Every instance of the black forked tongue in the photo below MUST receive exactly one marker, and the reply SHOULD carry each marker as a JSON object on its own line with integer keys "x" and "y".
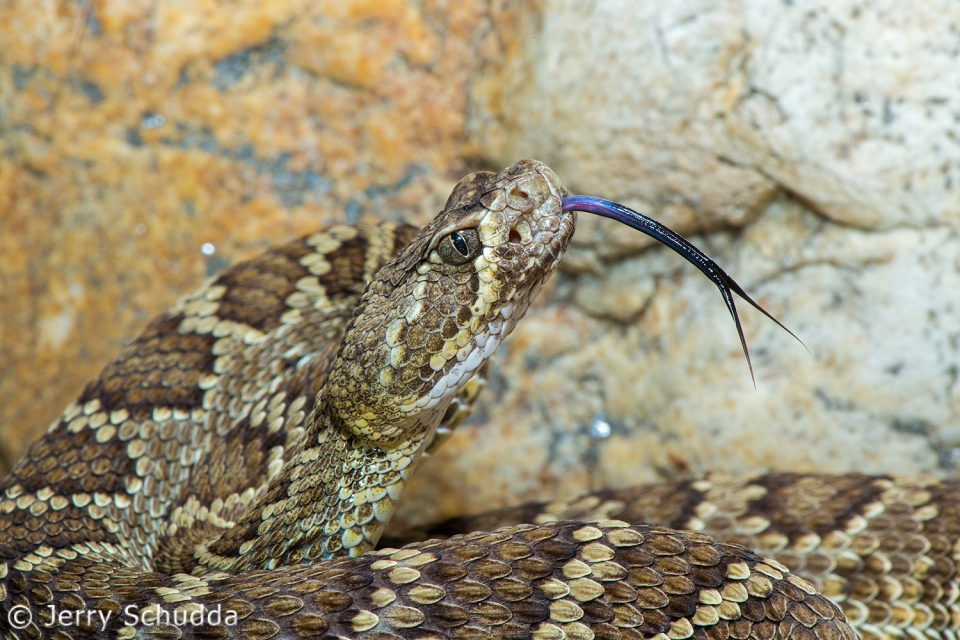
{"x": 678, "y": 243}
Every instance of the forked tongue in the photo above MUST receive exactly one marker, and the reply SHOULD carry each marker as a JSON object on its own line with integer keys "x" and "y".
{"x": 727, "y": 285}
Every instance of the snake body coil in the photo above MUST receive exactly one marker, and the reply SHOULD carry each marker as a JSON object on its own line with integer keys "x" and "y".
{"x": 224, "y": 476}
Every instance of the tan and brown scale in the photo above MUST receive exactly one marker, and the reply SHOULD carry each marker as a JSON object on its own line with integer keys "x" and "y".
{"x": 886, "y": 551}
{"x": 244, "y": 452}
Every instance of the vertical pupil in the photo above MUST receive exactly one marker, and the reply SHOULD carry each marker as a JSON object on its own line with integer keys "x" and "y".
{"x": 459, "y": 243}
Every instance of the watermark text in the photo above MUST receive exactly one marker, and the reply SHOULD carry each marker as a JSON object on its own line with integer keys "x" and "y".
{"x": 191, "y": 615}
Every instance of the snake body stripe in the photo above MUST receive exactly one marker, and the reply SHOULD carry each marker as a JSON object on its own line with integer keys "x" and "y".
{"x": 565, "y": 580}
{"x": 239, "y": 457}
{"x": 885, "y": 550}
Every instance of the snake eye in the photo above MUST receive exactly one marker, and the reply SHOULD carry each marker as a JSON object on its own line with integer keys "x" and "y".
{"x": 459, "y": 247}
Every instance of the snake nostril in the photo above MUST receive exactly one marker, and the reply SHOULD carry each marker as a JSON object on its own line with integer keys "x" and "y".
{"x": 520, "y": 199}
{"x": 515, "y": 236}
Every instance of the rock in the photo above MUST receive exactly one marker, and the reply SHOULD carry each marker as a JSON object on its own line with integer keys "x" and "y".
{"x": 620, "y": 294}
{"x": 700, "y": 110}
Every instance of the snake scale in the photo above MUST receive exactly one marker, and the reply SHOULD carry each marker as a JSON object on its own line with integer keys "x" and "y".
{"x": 231, "y": 472}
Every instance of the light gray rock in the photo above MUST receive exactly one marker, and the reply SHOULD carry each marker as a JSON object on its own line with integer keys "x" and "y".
{"x": 702, "y": 108}
{"x": 620, "y": 294}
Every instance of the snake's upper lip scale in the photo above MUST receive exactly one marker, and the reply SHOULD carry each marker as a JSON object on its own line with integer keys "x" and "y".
{"x": 669, "y": 237}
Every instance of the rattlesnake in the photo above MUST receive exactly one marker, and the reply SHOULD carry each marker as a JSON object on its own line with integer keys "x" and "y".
{"x": 229, "y": 474}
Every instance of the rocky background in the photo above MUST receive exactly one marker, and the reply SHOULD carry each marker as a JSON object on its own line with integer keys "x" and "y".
{"x": 812, "y": 148}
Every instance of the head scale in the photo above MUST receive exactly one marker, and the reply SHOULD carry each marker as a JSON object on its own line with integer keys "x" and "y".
{"x": 440, "y": 308}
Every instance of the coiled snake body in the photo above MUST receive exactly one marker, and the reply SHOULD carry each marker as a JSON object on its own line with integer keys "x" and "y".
{"x": 224, "y": 476}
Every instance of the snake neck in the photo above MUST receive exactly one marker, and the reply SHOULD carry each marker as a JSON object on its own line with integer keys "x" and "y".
{"x": 426, "y": 323}
{"x": 333, "y": 498}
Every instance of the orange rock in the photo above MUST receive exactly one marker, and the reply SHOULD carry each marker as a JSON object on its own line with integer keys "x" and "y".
{"x": 135, "y": 131}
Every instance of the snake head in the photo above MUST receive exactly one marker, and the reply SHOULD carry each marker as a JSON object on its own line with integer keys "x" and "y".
{"x": 436, "y": 312}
